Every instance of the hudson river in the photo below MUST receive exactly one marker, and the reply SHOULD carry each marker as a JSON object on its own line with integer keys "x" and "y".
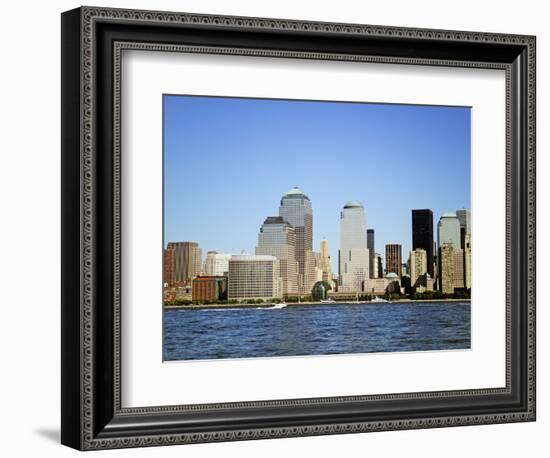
{"x": 315, "y": 330}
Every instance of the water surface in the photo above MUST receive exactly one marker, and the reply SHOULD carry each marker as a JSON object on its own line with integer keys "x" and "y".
{"x": 315, "y": 330}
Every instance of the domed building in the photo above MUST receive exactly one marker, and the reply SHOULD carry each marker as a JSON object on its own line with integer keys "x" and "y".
{"x": 390, "y": 284}
{"x": 320, "y": 290}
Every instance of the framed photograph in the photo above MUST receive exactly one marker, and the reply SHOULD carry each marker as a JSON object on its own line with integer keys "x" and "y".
{"x": 276, "y": 228}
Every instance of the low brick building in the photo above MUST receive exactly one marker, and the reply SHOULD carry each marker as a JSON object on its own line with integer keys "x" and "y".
{"x": 209, "y": 288}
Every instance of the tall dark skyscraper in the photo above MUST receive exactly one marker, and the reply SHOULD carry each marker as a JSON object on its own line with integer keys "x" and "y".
{"x": 423, "y": 235}
{"x": 370, "y": 246}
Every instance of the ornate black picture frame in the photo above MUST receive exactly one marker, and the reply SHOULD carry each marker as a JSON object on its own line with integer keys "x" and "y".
{"x": 92, "y": 415}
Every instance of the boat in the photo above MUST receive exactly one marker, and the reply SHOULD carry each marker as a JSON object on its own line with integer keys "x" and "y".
{"x": 378, "y": 299}
{"x": 280, "y": 305}
{"x": 327, "y": 301}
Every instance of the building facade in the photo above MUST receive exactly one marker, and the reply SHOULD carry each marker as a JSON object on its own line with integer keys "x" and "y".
{"x": 448, "y": 230}
{"x": 254, "y": 277}
{"x": 295, "y": 208}
{"x": 168, "y": 278}
{"x": 325, "y": 261}
{"x": 353, "y": 262}
{"x": 393, "y": 259}
{"x": 378, "y": 266}
{"x": 187, "y": 261}
{"x": 277, "y": 238}
{"x": 464, "y": 218}
{"x": 370, "y": 246}
{"x": 423, "y": 235}
{"x": 209, "y": 288}
{"x": 418, "y": 261}
{"x": 468, "y": 262}
{"x": 451, "y": 269}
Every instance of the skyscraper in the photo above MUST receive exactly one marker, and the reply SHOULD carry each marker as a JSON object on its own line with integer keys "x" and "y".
{"x": 295, "y": 208}
{"x": 370, "y": 246}
{"x": 325, "y": 261}
{"x": 393, "y": 259}
{"x": 451, "y": 268}
{"x": 465, "y": 226}
{"x": 423, "y": 235}
{"x": 448, "y": 230}
{"x": 277, "y": 238}
{"x": 353, "y": 260}
{"x": 187, "y": 260}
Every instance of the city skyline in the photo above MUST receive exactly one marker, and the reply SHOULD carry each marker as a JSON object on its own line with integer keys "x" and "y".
{"x": 329, "y": 161}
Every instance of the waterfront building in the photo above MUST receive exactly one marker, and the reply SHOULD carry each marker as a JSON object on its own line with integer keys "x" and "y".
{"x": 295, "y": 208}
{"x": 418, "y": 260}
{"x": 464, "y": 217}
{"x": 254, "y": 277}
{"x": 448, "y": 230}
{"x": 353, "y": 259}
{"x": 209, "y": 288}
{"x": 320, "y": 290}
{"x": 325, "y": 261}
{"x": 423, "y": 236}
{"x": 388, "y": 284}
{"x": 186, "y": 261}
{"x": 393, "y": 259}
{"x": 277, "y": 238}
{"x": 370, "y": 246}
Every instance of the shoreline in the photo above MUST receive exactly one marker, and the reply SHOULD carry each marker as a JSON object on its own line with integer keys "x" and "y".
{"x": 296, "y": 304}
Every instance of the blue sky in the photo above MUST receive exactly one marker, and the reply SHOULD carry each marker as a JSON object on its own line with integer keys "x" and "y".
{"x": 228, "y": 161}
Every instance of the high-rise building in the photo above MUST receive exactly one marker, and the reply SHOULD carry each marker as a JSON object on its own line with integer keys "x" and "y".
{"x": 423, "y": 235}
{"x": 451, "y": 268}
{"x": 418, "y": 264}
{"x": 464, "y": 218}
{"x": 187, "y": 261}
{"x": 256, "y": 277}
{"x": 296, "y": 209}
{"x": 393, "y": 259}
{"x": 370, "y": 246}
{"x": 277, "y": 238}
{"x": 353, "y": 258}
{"x": 448, "y": 230}
{"x": 325, "y": 262}
{"x": 446, "y": 269}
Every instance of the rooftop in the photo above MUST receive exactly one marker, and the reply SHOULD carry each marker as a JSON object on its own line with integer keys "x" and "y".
{"x": 353, "y": 204}
{"x": 295, "y": 193}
